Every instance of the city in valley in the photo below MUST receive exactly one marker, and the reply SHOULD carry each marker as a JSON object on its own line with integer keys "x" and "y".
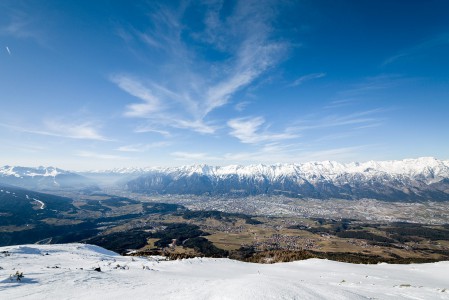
{"x": 259, "y": 228}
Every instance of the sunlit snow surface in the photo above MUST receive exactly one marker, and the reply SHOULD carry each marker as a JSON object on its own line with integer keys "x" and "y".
{"x": 428, "y": 169}
{"x": 67, "y": 273}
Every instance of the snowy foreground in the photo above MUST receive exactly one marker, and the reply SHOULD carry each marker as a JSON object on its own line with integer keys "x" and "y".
{"x": 67, "y": 272}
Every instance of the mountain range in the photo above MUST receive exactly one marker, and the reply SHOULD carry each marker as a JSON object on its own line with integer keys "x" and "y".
{"x": 44, "y": 178}
{"x": 405, "y": 180}
{"x": 418, "y": 179}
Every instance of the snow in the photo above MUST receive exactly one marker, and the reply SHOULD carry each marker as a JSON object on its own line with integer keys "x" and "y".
{"x": 432, "y": 169}
{"x": 8, "y": 171}
{"x": 30, "y": 172}
{"x": 66, "y": 272}
{"x": 429, "y": 167}
{"x": 42, "y": 204}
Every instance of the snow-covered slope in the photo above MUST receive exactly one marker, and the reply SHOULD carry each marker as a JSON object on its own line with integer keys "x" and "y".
{"x": 41, "y": 178}
{"x": 429, "y": 167}
{"x": 66, "y": 272}
{"x": 419, "y": 179}
{"x": 410, "y": 179}
{"x": 31, "y": 172}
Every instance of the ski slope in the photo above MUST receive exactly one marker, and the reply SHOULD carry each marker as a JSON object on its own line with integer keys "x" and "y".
{"x": 66, "y": 272}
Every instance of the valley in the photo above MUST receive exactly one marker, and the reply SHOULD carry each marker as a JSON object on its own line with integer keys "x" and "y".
{"x": 183, "y": 226}
{"x": 255, "y": 213}
{"x": 370, "y": 210}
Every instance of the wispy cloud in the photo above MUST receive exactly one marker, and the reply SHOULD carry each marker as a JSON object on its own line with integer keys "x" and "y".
{"x": 297, "y": 154}
{"x": 250, "y": 131}
{"x": 197, "y": 125}
{"x": 367, "y": 89}
{"x": 341, "y": 103}
{"x": 343, "y": 154}
{"x": 355, "y": 119}
{"x": 89, "y": 154}
{"x": 153, "y": 129}
{"x": 423, "y": 47}
{"x": 305, "y": 78}
{"x": 194, "y": 156}
{"x": 277, "y": 153}
{"x": 142, "y": 147}
{"x": 135, "y": 88}
{"x": 373, "y": 84}
{"x": 253, "y": 58}
{"x": 269, "y": 153}
{"x": 241, "y": 106}
{"x": 22, "y": 146}
{"x": 23, "y": 25}
{"x": 165, "y": 34}
{"x": 7, "y": 50}
{"x": 199, "y": 86}
{"x": 83, "y": 130}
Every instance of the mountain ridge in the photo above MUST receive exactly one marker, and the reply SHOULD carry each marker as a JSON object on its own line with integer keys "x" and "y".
{"x": 43, "y": 178}
{"x": 419, "y": 179}
{"x": 390, "y": 166}
{"x": 406, "y": 180}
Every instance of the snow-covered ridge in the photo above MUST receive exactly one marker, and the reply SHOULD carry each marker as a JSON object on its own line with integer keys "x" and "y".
{"x": 404, "y": 180}
{"x": 42, "y": 178}
{"x": 423, "y": 178}
{"x": 429, "y": 167}
{"x": 67, "y": 272}
{"x": 31, "y": 172}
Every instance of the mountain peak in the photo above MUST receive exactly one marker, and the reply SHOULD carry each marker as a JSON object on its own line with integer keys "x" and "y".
{"x": 41, "y": 177}
{"x": 411, "y": 179}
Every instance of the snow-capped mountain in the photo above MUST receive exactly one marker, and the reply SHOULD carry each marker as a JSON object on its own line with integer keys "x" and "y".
{"x": 42, "y": 178}
{"x": 410, "y": 179}
{"x": 31, "y": 172}
{"x": 424, "y": 178}
{"x": 80, "y": 271}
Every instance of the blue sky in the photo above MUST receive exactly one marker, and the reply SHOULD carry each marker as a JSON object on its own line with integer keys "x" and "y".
{"x": 103, "y": 84}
